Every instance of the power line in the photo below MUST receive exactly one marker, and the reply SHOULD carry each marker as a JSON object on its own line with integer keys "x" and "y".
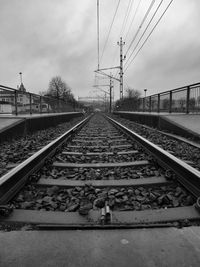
{"x": 110, "y": 29}
{"x": 144, "y": 31}
{"x": 127, "y": 13}
{"x": 126, "y": 16}
{"x": 128, "y": 10}
{"x": 149, "y": 34}
{"x": 132, "y": 19}
{"x": 134, "y": 15}
{"x": 139, "y": 28}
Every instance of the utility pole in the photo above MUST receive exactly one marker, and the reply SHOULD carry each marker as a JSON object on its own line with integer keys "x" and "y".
{"x": 145, "y": 92}
{"x": 98, "y": 31}
{"x": 20, "y": 77}
{"x": 121, "y": 44}
{"x": 109, "y": 93}
{"x": 111, "y": 86}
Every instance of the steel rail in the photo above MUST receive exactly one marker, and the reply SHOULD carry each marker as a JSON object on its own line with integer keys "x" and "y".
{"x": 13, "y": 181}
{"x": 186, "y": 175}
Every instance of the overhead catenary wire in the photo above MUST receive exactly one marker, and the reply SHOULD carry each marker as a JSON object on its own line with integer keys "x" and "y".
{"x": 127, "y": 13}
{"x": 150, "y": 33}
{"x": 140, "y": 26}
{"x": 131, "y": 23}
{"x": 134, "y": 15}
{"x": 110, "y": 30}
{"x": 128, "y": 10}
{"x": 144, "y": 32}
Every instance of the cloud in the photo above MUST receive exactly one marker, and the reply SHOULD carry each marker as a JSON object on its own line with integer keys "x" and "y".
{"x": 170, "y": 58}
{"x": 48, "y": 38}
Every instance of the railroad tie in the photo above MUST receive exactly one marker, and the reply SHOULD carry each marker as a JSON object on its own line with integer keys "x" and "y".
{"x": 101, "y": 165}
{"x": 97, "y": 141}
{"x": 72, "y": 153}
{"x": 112, "y": 147}
{"x": 151, "y": 181}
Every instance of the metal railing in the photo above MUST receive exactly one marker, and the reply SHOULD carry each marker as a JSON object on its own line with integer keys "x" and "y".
{"x": 180, "y": 100}
{"x": 13, "y": 101}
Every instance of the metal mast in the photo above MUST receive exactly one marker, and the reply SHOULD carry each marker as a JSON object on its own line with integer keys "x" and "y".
{"x": 121, "y": 44}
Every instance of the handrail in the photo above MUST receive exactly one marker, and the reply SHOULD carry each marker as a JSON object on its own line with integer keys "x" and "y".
{"x": 176, "y": 89}
{"x": 185, "y": 99}
{"x": 9, "y": 95}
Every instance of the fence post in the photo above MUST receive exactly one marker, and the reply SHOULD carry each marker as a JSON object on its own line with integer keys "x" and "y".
{"x": 40, "y": 104}
{"x": 170, "y": 101}
{"x": 149, "y": 103}
{"x": 30, "y": 99}
{"x": 16, "y": 112}
{"x": 188, "y": 100}
{"x": 58, "y": 105}
{"x": 48, "y": 108}
{"x": 158, "y": 108}
{"x": 144, "y": 104}
{"x": 138, "y": 105}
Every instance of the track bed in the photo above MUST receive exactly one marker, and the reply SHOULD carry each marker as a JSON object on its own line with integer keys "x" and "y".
{"x": 100, "y": 175}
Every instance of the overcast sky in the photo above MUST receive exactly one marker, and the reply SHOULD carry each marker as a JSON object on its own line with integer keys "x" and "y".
{"x": 46, "y": 38}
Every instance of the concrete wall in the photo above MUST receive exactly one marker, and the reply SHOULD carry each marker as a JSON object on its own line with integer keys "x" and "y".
{"x": 39, "y": 123}
{"x": 160, "y": 122}
{"x": 13, "y": 130}
{"x": 31, "y": 124}
{"x": 147, "y": 119}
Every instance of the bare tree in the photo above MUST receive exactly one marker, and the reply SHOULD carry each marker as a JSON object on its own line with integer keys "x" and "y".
{"x": 132, "y": 93}
{"x": 130, "y": 101}
{"x": 59, "y": 88}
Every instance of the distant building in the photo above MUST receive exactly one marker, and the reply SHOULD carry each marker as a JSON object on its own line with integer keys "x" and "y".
{"x": 23, "y": 101}
{"x": 5, "y": 108}
{"x": 9, "y": 96}
{"x": 22, "y": 88}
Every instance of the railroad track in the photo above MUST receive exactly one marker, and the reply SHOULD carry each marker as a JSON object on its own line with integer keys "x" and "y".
{"x": 180, "y": 147}
{"x": 100, "y": 174}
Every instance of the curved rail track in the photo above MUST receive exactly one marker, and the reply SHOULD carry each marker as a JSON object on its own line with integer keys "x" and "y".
{"x": 100, "y": 174}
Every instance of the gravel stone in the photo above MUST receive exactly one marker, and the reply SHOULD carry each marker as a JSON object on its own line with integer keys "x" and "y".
{"x": 99, "y": 202}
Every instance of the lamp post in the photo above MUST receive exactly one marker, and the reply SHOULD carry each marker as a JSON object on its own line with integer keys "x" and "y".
{"x": 20, "y": 77}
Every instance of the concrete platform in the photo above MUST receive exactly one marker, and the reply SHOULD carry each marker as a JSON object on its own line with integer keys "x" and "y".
{"x": 119, "y": 248}
{"x": 12, "y": 125}
{"x": 33, "y": 115}
{"x": 7, "y": 122}
{"x": 183, "y": 124}
{"x": 188, "y": 121}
